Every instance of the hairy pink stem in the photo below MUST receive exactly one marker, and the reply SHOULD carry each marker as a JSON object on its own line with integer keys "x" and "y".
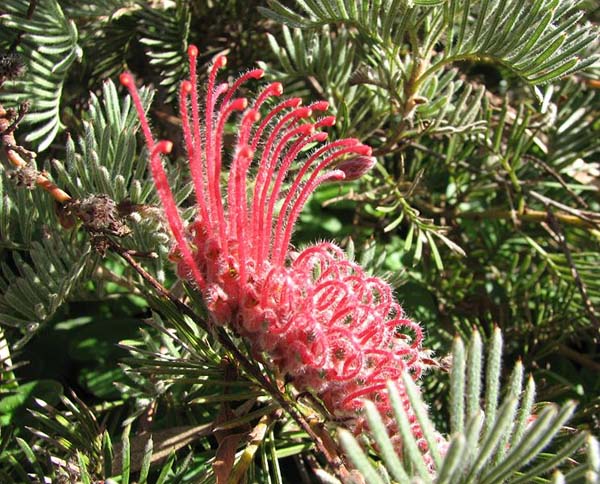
{"x": 291, "y": 103}
{"x": 282, "y": 172}
{"x": 193, "y": 150}
{"x": 266, "y": 165}
{"x": 197, "y": 168}
{"x": 224, "y": 113}
{"x": 265, "y": 224}
{"x": 170, "y": 206}
{"x": 209, "y": 155}
{"x": 253, "y": 74}
{"x": 245, "y": 157}
{"x": 310, "y": 187}
{"x": 281, "y": 239}
{"x": 293, "y": 152}
{"x": 237, "y": 191}
{"x": 273, "y": 89}
{"x": 128, "y": 81}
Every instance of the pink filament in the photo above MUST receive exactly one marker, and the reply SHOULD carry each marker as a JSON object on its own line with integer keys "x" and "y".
{"x": 164, "y": 191}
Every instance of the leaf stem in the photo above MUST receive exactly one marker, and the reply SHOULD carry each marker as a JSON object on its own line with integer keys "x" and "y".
{"x": 452, "y": 59}
{"x": 16, "y": 154}
{"x": 587, "y": 303}
{"x": 529, "y": 215}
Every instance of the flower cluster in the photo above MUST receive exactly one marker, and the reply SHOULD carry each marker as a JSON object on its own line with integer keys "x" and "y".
{"x": 329, "y": 327}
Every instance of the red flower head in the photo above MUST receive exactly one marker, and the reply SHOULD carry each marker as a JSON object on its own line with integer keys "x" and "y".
{"x": 326, "y": 324}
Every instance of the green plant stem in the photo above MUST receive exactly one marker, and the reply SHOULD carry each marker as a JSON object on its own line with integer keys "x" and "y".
{"x": 579, "y": 358}
{"x": 589, "y": 307}
{"x": 409, "y": 102}
{"x": 528, "y": 215}
{"x": 452, "y": 59}
{"x": 257, "y": 437}
{"x": 107, "y": 275}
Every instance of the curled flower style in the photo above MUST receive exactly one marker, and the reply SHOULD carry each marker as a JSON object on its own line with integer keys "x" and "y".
{"x": 329, "y": 327}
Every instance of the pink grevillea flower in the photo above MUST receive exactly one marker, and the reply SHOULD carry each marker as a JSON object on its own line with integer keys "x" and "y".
{"x": 329, "y": 327}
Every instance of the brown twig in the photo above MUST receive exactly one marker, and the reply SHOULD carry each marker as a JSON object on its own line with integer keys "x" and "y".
{"x": 22, "y": 159}
{"x": 332, "y": 459}
{"x": 557, "y": 177}
{"x": 23, "y": 108}
{"x": 586, "y": 215}
{"x": 577, "y": 357}
{"x": 29, "y": 16}
{"x": 587, "y": 303}
{"x": 528, "y": 215}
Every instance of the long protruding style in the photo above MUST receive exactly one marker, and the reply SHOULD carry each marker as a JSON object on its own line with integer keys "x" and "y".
{"x": 268, "y": 151}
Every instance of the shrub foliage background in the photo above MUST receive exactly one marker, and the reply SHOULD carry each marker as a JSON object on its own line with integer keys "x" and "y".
{"x": 483, "y": 209}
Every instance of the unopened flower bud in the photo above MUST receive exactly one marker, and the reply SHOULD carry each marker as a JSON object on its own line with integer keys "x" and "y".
{"x": 356, "y": 167}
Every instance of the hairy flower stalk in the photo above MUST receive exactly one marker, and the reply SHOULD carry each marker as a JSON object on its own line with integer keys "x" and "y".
{"x": 323, "y": 322}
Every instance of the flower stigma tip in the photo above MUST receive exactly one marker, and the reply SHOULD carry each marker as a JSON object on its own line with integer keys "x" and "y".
{"x": 306, "y": 129}
{"x": 192, "y": 51}
{"x": 164, "y": 146}
{"x": 186, "y": 87}
{"x": 277, "y": 88}
{"x": 246, "y": 152}
{"x": 239, "y": 104}
{"x": 126, "y": 79}
{"x": 320, "y": 106}
{"x": 327, "y": 121}
{"x": 221, "y": 61}
{"x": 304, "y": 112}
{"x": 253, "y": 115}
{"x": 337, "y": 175}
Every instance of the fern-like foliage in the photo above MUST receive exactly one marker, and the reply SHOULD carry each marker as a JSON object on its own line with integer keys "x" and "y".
{"x": 573, "y": 107}
{"x": 110, "y": 39}
{"x": 101, "y": 8}
{"x": 317, "y": 56}
{"x": 165, "y": 33}
{"x": 106, "y": 162}
{"x": 492, "y": 440}
{"x": 33, "y": 292}
{"x": 372, "y": 95}
{"x": 91, "y": 448}
{"x": 21, "y": 213}
{"x": 585, "y": 263}
{"x": 46, "y": 266}
{"x": 192, "y": 386}
{"x": 49, "y": 48}
{"x": 386, "y": 64}
{"x": 538, "y": 40}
